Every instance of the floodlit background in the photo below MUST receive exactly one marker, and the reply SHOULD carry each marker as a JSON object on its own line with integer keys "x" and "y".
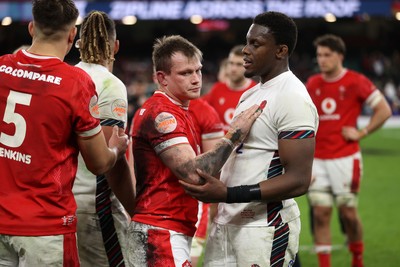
{"x": 370, "y": 28}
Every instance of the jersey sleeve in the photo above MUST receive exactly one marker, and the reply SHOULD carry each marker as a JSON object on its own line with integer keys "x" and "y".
{"x": 209, "y": 122}
{"x": 85, "y": 107}
{"x": 296, "y": 113}
{"x": 113, "y": 103}
{"x": 365, "y": 87}
{"x": 165, "y": 128}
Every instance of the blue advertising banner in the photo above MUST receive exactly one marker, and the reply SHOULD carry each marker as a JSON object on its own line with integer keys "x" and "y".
{"x": 218, "y": 9}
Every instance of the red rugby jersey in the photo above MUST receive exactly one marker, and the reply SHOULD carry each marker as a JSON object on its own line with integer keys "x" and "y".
{"x": 339, "y": 103}
{"x": 161, "y": 201}
{"x": 44, "y": 105}
{"x": 225, "y": 100}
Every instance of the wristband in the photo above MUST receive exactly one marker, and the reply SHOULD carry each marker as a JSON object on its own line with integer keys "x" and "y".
{"x": 243, "y": 193}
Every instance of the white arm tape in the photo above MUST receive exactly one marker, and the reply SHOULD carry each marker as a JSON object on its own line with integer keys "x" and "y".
{"x": 374, "y": 98}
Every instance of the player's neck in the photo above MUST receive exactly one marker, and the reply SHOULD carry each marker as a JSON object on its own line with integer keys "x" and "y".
{"x": 240, "y": 85}
{"x": 49, "y": 49}
{"x": 174, "y": 98}
{"x": 332, "y": 75}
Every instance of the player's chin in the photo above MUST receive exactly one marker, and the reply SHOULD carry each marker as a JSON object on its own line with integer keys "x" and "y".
{"x": 248, "y": 73}
{"x": 194, "y": 93}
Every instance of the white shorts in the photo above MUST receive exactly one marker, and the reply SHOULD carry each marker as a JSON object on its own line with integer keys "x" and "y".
{"x": 151, "y": 246}
{"x": 232, "y": 246}
{"x": 340, "y": 178}
{"x": 46, "y": 251}
{"x": 90, "y": 239}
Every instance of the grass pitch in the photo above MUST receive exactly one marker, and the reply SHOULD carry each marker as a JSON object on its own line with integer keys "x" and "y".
{"x": 378, "y": 207}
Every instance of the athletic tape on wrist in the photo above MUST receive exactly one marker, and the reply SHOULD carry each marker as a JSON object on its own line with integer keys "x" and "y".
{"x": 243, "y": 193}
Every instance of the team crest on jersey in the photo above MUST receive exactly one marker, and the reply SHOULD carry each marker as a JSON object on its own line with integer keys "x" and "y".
{"x": 165, "y": 122}
{"x": 68, "y": 220}
{"x": 342, "y": 92}
{"x": 119, "y": 108}
{"x": 94, "y": 107}
{"x": 186, "y": 264}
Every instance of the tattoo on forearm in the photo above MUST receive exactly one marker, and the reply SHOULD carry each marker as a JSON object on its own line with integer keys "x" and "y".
{"x": 234, "y": 136}
{"x": 212, "y": 161}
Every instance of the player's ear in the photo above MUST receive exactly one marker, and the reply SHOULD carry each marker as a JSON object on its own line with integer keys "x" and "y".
{"x": 282, "y": 51}
{"x": 160, "y": 75}
{"x": 31, "y": 28}
{"x": 72, "y": 34}
{"x": 116, "y": 46}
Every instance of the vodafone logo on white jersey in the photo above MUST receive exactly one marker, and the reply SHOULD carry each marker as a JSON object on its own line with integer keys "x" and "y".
{"x": 328, "y": 105}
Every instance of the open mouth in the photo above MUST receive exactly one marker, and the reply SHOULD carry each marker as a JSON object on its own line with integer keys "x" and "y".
{"x": 246, "y": 63}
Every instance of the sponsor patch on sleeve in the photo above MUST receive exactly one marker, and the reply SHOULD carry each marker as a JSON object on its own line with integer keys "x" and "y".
{"x": 119, "y": 108}
{"x": 94, "y": 107}
{"x": 165, "y": 122}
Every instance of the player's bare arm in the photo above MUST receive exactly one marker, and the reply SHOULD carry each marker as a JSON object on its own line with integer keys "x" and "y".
{"x": 121, "y": 178}
{"x": 182, "y": 160}
{"x": 381, "y": 113}
{"x": 100, "y": 158}
{"x": 296, "y": 157}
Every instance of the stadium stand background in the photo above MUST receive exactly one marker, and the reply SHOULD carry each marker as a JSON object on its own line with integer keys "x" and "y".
{"x": 372, "y": 40}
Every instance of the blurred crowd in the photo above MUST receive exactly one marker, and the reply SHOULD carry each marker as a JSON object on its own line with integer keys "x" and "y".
{"x": 383, "y": 70}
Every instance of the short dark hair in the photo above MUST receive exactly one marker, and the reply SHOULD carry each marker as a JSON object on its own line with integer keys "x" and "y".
{"x": 282, "y": 27}
{"x": 334, "y": 42}
{"x": 237, "y": 50}
{"x": 164, "y": 48}
{"x": 52, "y": 16}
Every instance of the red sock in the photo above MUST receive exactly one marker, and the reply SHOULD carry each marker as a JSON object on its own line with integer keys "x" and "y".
{"x": 357, "y": 248}
{"x": 324, "y": 259}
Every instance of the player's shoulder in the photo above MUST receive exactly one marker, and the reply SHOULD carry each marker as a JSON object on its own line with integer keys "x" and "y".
{"x": 198, "y": 103}
{"x": 316, "y": 77}
{"x": 352, "y": 74}
{"x": 6, "y": 57}
{"x": 218, "y": 86}
{"x": 159, "y": 103}
{"x": 117, "y": 82}
{"x": 75, "y": 74}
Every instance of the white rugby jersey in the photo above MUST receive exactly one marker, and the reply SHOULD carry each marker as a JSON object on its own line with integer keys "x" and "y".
{"x": 113, "y": 104}
{"x": 289, "y": 108}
